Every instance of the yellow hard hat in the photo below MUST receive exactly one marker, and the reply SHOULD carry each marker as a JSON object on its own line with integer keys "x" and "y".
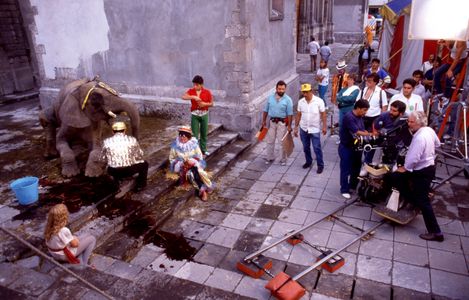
{"x": 306, "y": 87}
{"x": 118, "y": 126}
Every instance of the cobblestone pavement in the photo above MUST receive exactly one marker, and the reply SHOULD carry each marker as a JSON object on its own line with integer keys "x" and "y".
{"x": 256, "y": 204}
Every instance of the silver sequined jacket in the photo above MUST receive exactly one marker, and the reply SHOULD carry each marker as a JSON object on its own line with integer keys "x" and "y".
{"x": 121, "y": 150}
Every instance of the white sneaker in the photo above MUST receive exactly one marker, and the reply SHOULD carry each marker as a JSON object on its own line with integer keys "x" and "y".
{"x": 346, "y": 195}
{"x": 268, "y": 161}
{"x": 283, "y": 162}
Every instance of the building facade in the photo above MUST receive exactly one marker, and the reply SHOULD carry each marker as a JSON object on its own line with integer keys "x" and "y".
{"x": 315, "y": 18}
{"x": 350, "y": 17}
{"x": 150, "y": 51}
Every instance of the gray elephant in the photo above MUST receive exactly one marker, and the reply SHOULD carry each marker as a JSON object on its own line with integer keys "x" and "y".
{"x": 77, "y": 115}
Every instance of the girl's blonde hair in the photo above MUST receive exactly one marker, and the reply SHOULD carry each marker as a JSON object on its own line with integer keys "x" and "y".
{"x": 56, "y": 219}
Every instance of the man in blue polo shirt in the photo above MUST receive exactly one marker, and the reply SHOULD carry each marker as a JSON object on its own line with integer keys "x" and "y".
{"x": 351, "y": 160}
{"x": 279, "y": 109}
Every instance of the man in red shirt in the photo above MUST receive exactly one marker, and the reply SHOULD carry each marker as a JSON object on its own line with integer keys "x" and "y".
{"x": 201, "y": 99}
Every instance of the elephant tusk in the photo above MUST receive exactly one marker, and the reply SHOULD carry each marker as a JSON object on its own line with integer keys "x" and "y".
{"x": 113, "y": 115}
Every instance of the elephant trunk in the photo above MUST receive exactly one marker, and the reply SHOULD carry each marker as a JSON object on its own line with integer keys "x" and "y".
{"x": 118, "y": 106}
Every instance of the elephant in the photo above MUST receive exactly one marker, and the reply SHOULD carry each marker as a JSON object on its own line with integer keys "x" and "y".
{"x": 77, "y": 115}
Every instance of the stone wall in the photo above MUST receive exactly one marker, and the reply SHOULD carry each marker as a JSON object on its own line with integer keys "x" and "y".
{"x": 150, "y": 50}
{"x": 349, "y": 20}
{"x": 15, "y": 70}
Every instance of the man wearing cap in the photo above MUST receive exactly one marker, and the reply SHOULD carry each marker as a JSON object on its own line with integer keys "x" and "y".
{"x": 124, "y": 156}
{"x": 201, "y": 99}
{"x": 384, "y": 78}
{"x": 311, "y": 111}
{"x": 279, "y": 109}
{"x": 339, "y": 81}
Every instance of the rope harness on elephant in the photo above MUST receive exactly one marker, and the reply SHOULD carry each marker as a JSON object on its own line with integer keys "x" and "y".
{"x": 101, "y": 84}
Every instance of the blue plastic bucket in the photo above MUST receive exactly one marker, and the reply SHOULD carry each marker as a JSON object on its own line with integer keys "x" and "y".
{"x": 26, "y": 189}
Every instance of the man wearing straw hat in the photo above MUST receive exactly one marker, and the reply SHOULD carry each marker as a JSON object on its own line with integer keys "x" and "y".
{"x": 339, "y": 81}
{"x": 124, "y": 156}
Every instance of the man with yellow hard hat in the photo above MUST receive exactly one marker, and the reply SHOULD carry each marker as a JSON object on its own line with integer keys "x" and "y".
{"x": 311, "y": 113}
{"x": 124, "y": 156}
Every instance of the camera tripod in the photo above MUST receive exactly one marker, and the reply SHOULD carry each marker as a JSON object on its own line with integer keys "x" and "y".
{"x": 460, "y": 131}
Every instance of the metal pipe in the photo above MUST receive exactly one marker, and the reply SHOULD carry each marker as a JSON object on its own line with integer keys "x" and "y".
{"x": 26, "y": 243}
{"x": 251, "y": 256}
{"x": 334, "y": 253}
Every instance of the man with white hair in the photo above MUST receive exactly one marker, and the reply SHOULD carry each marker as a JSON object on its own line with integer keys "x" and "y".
{"x": 414, "y": 178}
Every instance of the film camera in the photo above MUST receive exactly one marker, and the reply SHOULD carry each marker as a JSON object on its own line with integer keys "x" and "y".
{"x": 393, "y": 142}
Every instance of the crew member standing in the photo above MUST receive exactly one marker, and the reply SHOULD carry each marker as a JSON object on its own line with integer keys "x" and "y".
{"x": 311, "y": 111}
{"x": 351, "y": 160}
{"x": 279, "y": 109}
{"x": 413, "y": 180}
{"x": 412, "y": 101}
{"x": 201, "y": 99}
{"x": 313, "y": 53}
{"x": 124, "y": 156}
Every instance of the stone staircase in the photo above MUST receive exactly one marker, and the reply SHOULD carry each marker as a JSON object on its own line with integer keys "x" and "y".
{"x": 109, "y": 215}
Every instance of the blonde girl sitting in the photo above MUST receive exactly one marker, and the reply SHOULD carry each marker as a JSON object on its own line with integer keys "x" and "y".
{"x": 61, "y": 243}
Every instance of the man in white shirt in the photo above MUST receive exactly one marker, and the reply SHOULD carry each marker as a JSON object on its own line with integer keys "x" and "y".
{"x": 414, "y": 178}
{"x": 412, "y": 101}
{"x": 313, "y": 47}
{"x": 311, "y": 112}
{"x": 428, "y": 65}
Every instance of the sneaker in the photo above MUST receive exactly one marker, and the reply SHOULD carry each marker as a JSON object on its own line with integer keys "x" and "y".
{"x": 283, "y": 162}
{"x": 346, "y": 195}
{"x": 268, "y": 161}
{"x": 320, "y": 169}
{"x": 206, "y": 153}
{"x": 437, "y": 237}
{"x": 306, "y": 165}
{"x": 337, "y": 142}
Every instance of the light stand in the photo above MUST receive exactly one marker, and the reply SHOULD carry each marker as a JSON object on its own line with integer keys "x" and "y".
{"x": 463, "y": 158}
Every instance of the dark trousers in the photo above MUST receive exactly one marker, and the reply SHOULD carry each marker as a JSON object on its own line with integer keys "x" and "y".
{"x": 441, "y": 73}
{"x": 124, "y": 172}
{"x": 414, "y": 187}
{"x": 350, "y": 164}
{"x": 315, "y": 139}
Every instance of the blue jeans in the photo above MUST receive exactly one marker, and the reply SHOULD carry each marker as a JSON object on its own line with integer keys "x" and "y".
{"x": 440, "y": 72}
{"x": 350, "y": 164}
{"x": 315, "y": 140}
{"x": 322, "y": 89}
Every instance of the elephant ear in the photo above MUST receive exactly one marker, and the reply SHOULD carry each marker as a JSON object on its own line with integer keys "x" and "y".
{"x": 71, "y": 114}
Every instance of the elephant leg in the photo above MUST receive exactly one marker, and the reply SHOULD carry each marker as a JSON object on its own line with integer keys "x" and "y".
{"x": 94, "y": 165}
{"x": 49, "y": 130}
{"x": 69, "y": 164}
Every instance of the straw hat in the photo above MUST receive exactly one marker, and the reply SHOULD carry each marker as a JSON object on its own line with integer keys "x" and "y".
{"x": 185, "y": 129}
{"x": 341, "y": 65}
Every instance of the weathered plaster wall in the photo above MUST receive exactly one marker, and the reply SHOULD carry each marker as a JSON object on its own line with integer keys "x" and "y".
{"x": 349, "y": 18}
{"x": 150, "y": 50}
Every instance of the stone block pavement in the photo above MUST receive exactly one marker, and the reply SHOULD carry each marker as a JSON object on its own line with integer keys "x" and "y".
{"x": 395, "y": 261}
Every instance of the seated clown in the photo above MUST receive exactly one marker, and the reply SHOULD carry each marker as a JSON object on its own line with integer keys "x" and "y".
{"x": 186, "y": 159}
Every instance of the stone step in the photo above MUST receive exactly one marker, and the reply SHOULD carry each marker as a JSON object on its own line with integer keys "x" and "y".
{"x": 157, "y": 159}
{"x": 123, "y": 246}
{"x": 32, "y": 228}
{"x": 226, "y": 146}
